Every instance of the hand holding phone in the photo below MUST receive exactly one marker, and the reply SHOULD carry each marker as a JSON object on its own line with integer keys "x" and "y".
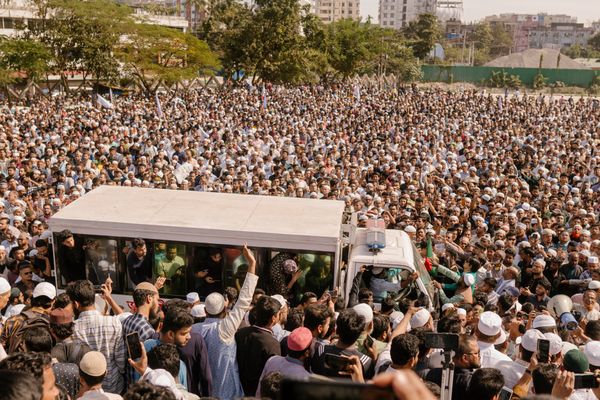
{"x": 543, "y": 350}
{"x": 134, "y": 347}
{"x": 586, "y": 381}
{"x": 337, "y": 362}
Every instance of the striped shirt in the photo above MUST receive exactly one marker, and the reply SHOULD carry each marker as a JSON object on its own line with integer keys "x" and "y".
{"x": 136, "y": 323}
{"x": 104, "y": 334}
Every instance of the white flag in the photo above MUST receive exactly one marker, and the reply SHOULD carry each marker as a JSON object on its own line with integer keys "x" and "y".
{"x": 103, "y": 102}
{"x": 159, "y": 111}
{"x": 357, "y": 93}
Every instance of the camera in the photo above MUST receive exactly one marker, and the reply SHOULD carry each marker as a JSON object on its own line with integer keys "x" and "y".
{"x": 445, "y": 341}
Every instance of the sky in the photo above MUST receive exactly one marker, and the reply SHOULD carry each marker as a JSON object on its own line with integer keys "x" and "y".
{"x": 586, "y": 11}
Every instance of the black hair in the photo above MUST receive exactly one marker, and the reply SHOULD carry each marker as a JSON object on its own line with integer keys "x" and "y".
{"x": 480, "y": 298}
{"x": 257, "y": 292}
{"x": 527, "y": 308}
{"x": 61, "y": 301}
{"x": 307, "y": 296}
{"x": 449, "y": 324}
{"x": 491, "y": 282}
{"x": 404, "y": 348}
{"x": 265, "y": 309}
{"x": 140, "y": 296}
{"x": 421, "y": 333}
{"x": 381, "y": 324}
{"x": 232, "y": 295}
{"x": 143, "y": 390}
{"x": 44, "y": 302}
{"x": 177, "y": 319}
{"x": 364, "y": 294}
{"x": 592, "y": 330}
{"x": 91, "y": 380}
{"x": 31, "y": 363}
{"x": 474, "y": 263}
{"x": 64, "y": 235}
{"x": 349, "y": 326}
{"x": 38, "y": 339}
{"x": 315, "y": 315}
{"x": 387, "y": 305}
{"x": 165, "y": 356}
{"x": 17, "y": 385}
{"x": 62, "y": 331}
{"x": 464, "y": 343}
{"x": 82, "y": 292}
{"x": 176, "y": 303}
{"x": 270, "y": 386}
{"x": 294, "y": 319}
{"x": 404, "y": 305}
{"x": 485, "y": 384}
{"x": 24, "y": 265}
{"x": 505, "y": 302}
{"x": 543, "y": 378}
{"x": 41, "y": 243}
{"x": 137, "y": 243}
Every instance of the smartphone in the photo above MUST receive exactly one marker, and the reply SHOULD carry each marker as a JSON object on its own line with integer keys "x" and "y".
{"x": 333, "y": 389}
{"x": 543, "y": 350}
{"x": 369, "y": 340}
{"x": 134, "y": 346}
{"x": 446, "y": 341}
{"x": 336, "y": 362}
{"x": 505, "y": 394}
{"x": 98, "y": 289}
{"x": 586, "y": 381}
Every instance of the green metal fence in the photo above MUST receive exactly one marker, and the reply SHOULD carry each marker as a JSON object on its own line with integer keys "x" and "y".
{"x": 451, "y": 74}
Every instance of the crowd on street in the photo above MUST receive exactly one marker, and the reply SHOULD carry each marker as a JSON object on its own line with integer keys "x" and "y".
{"x": 499, "y": 193}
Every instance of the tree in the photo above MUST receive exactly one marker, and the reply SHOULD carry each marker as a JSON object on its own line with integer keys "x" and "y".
{"x": 423, "y": 34}
{"x": 482, "y": 36}
{"x": 24, "y": 56}
{"x": 156, "y": 55}
{"x": 502, "y": 43}
{"x": 347, "y": 46}
{"x": 594, "y": 42}
{"x": 80, "y": 35}
{"x": 266, "y": 41}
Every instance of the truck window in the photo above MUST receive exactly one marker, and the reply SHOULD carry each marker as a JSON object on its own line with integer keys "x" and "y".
{"x": 102, "y": 261}
{"x": 207, "y": 270}
{"x": 170, "y": 262}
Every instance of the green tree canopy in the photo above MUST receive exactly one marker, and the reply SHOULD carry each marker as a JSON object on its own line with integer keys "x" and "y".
{"x": 423, "y": 34}
{"x": 24, "y": 56}
{"x": 155, "y": 55}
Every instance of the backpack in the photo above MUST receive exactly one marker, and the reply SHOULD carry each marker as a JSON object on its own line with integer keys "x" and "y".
{"x": 30, "y": 320}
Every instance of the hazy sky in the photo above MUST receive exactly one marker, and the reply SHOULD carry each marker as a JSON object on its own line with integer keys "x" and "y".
{"x": 586, "y": 11}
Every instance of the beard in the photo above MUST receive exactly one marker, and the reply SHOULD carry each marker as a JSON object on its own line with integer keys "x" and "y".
{"x": 153, "y": 314}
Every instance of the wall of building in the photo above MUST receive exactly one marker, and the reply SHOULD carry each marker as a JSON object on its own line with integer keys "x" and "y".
{"x": 334, "y": 10}
{"x": 398, "y": 14}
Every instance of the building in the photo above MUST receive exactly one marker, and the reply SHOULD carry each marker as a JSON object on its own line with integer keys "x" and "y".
{"x": 519, "y": 25}
{"x": 334, "y": 10}
{"x": 398, "y": 14}
{"x": 559, "y": 35}
{"x": 449, "y": 10}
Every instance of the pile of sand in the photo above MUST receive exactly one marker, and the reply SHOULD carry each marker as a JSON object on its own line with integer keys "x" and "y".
{"x": 531, "y": 59}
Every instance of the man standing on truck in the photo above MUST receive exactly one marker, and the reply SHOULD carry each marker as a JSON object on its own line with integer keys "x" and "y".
{"x": 139, "y": 263}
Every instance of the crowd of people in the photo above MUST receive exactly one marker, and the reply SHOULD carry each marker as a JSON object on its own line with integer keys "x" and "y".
{"x": 499, "y": 193}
